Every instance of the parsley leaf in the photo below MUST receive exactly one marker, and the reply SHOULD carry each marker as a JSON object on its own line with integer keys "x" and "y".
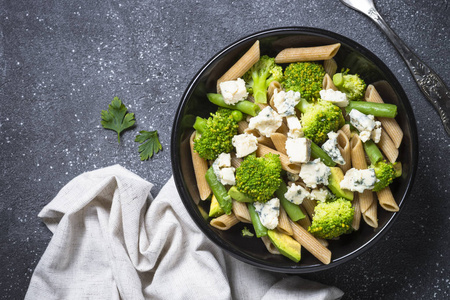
{"x": 149, "y": 143}
{"x": 116, "y": 117}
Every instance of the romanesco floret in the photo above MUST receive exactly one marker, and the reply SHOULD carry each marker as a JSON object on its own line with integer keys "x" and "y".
{"x": 320, "y": 118}
{"x": 215, "y": 134}
{"x": 304, "y": 77}
{"x": 259, "y": 177}
{"x": 350, "y": 84}
{"x": 332, "y": 219}
{"x": 260, "y": 75}
{"x": 385, "y": 173}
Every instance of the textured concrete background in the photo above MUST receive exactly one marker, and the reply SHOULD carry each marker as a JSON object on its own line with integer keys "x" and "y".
{"x": 62, "y": 62}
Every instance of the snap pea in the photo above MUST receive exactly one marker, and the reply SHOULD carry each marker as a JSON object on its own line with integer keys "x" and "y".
{"x": 219, "y": 191}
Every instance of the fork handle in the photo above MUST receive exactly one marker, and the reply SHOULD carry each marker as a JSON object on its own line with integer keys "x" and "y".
{"x": 429, "y": 82}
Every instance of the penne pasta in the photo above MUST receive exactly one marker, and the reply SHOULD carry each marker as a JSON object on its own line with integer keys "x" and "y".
{"x": 307, "y": 53}
{"x": 344, "y": 147}
{"x": 224, "y": 222}
{"x": 357, "y": 215}
{"x": 309, "y": 206}
{"x": 328, "y": 83}
{"x": 285, "y": 163}
{"x": 386, "y": 200}
{"x": 330, "y": 67}
{"x": 357, "y": 153}
{"x": 390, "y": 125}
{"x": 387, "y": 146}
{"x": 310, "y": 243}
{"x": 279, "y": 142}
{"x": 241, "y": 66}
{"x": 283, "y": 222}
{"x": 365, "y": 200}
{"x": 240, "y": 211}
{"x": 274, "y": 85}
{"x": 262, "y": 140}
{"x": 200, "y": 167}
{"x": 370, "y": 216}
{"x": 346, "y": 130}
{"x": 270, "y": 247}
{"x": 236, "y": 162}
{"x": 242, "y": 126}
{"x": 283, "y": 129}
{"x": 305, "y": 222}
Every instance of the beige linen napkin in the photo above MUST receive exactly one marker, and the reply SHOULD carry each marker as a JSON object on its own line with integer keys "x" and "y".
{"x": 110, "y": 243}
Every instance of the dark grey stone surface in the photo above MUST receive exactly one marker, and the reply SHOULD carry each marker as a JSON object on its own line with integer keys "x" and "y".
{"x": 62, "y": 62}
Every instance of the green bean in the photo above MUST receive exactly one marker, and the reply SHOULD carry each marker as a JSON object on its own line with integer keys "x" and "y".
{"x": 293, "y": 210}
{"x": 373, "y": 152}
{"x": 371, "y": 108}
{"x": 260, "y": 230}
{"x": 219, "y": 191}
{"x": 317, "y": 152}
{"x": 245, "y": 106}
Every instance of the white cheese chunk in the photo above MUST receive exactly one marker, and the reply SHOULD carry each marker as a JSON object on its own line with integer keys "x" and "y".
{"x": 376, "y": 132}
{"x": 224, "y": 160}
{"x": 314, "y": 173}
{"x": 321, "y": 194}
{"x": 223, "y": 170}
{"x": 245, "y": 144}
{"x": 285, "y": 102}
{"x": 336, "y": 97}
{"x": 296, "y": 194}
{"x": 226, "y": 176}
{"x": 295, "y": 128}
{"x": 364, "y": 123}
{"x": 298, "y": 150}
{"x": 292, "y": 176}
{"x": 268, "y": 212}
{"x": 266, "y": 122}
{"x": 233, "y": 91}
{"x": 331, "y": 148}
{"x": 359, "y": 180}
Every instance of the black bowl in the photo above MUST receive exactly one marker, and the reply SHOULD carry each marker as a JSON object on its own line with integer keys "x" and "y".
{"x": 194, "y": 103}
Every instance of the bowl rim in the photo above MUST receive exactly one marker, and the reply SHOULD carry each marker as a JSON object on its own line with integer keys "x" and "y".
{"x": 184, "y": 194}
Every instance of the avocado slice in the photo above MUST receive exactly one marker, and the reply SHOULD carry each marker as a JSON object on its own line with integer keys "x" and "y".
{"x": 334, "y": 184}
{"x": 285, "y": 244}
{"x": 215, "y": 210}
{"x": 238, "y": 196}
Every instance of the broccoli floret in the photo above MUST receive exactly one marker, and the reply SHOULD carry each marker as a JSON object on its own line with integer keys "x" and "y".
{"x": 304, "y": 77}
{"x": 385, "y": 173}
{"x": 350, "y": 84}
{"x": 319, "y": 118}
{"x": 260, "y": 75}
{"x": 332, "y": 219}
{"x": 246, "y": 232}
{"x": 215, "y": 134}
{"x": 259, "y": 177}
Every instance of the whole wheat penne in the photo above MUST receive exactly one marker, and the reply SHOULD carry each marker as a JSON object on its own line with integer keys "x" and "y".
{"x": 274, "y": 85}
{"x": 270, "y": 247}
{"x": 240, "y": 211}
{"x": 346, "y": 129}
{"x": 305, "y": 222}
{"x": 241, "y": 66}
{"x": 357, "y": 153}
{"x": 389, "y": 124}
{"x": 283, "y": 129}
{"x": 236, "y": 162}
{"x": 283, "y": 222}
{"x": 224, "y": 222}
{"x": 262, "y": 140}
{"x": 386, "y": 200}
{"x": 357, "y": 215}
{"x": 242, "y": 126}
{"x": 307, "y": 53}
{"x": 330, "y": 67}
{"x": 365, "y": 200}
{"x": 328, "y": 83}
{"x": 310, "y": 243}
{"x": 309, "y": 206}
{"x": 344, "y": 147}
{"x": 387, "y": 146}
{"x": 279, "y": 141}
{"x": 285, "y": 163}
{"x": 200, "y": 168}
{"x": 370, "y": 215}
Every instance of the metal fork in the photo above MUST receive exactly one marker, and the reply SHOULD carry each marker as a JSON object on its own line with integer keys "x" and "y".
{"x": 429, "y": 82}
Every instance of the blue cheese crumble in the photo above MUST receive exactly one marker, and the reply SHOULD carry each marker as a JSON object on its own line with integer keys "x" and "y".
{"x": 298, "y": 150}
{"x": 296, "y": 194}
{"x": 266, "y": 122}
{"x": 314, "y": 173}
{"x": 245, "y": 144}
{"x": 295, "y": 128}
{"x": 336, "y": 97}
{"x": 366, "y": 125}
{"x": 359, "y": 180}
{"x": 331, "y": 148}
{"x": 322, "y": 194}
{"x": 285, "y": 102}
{"x": 233, "y": 91}
{"x": 223, "y": 169}
{"x": 268, "y": 212}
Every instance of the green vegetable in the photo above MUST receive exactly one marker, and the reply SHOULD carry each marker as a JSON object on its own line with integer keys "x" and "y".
{"x": 116, "y": 117}
{"x": 259, "y": 177}
{"x": 214, "y": 209}
{"x": 293, "y": 210}
{"x": 216, "y": 134}
{"x": 371, "y": 108}
{"x": 350, "y": 84}
{"x": 225, "y": 201}
{"x": 260, "y": 75}
{"x": 332, "y": 219}
{"x": 244, "y": 106}
{"x": 149, "y": 143}
{"x": 334, "y": 184}
{"x": 285, "y": 244}
{"x": 260, "y": 230}
{"x": 317, "y": 152}
{"x": 319, "y": 118}
{"x": 238, "y": 196}
{"x": 304, "y": 77}
{"x": 246, "y": 232}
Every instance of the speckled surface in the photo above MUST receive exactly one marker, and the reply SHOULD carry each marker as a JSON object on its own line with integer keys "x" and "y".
{"x": 62, "y": 62}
